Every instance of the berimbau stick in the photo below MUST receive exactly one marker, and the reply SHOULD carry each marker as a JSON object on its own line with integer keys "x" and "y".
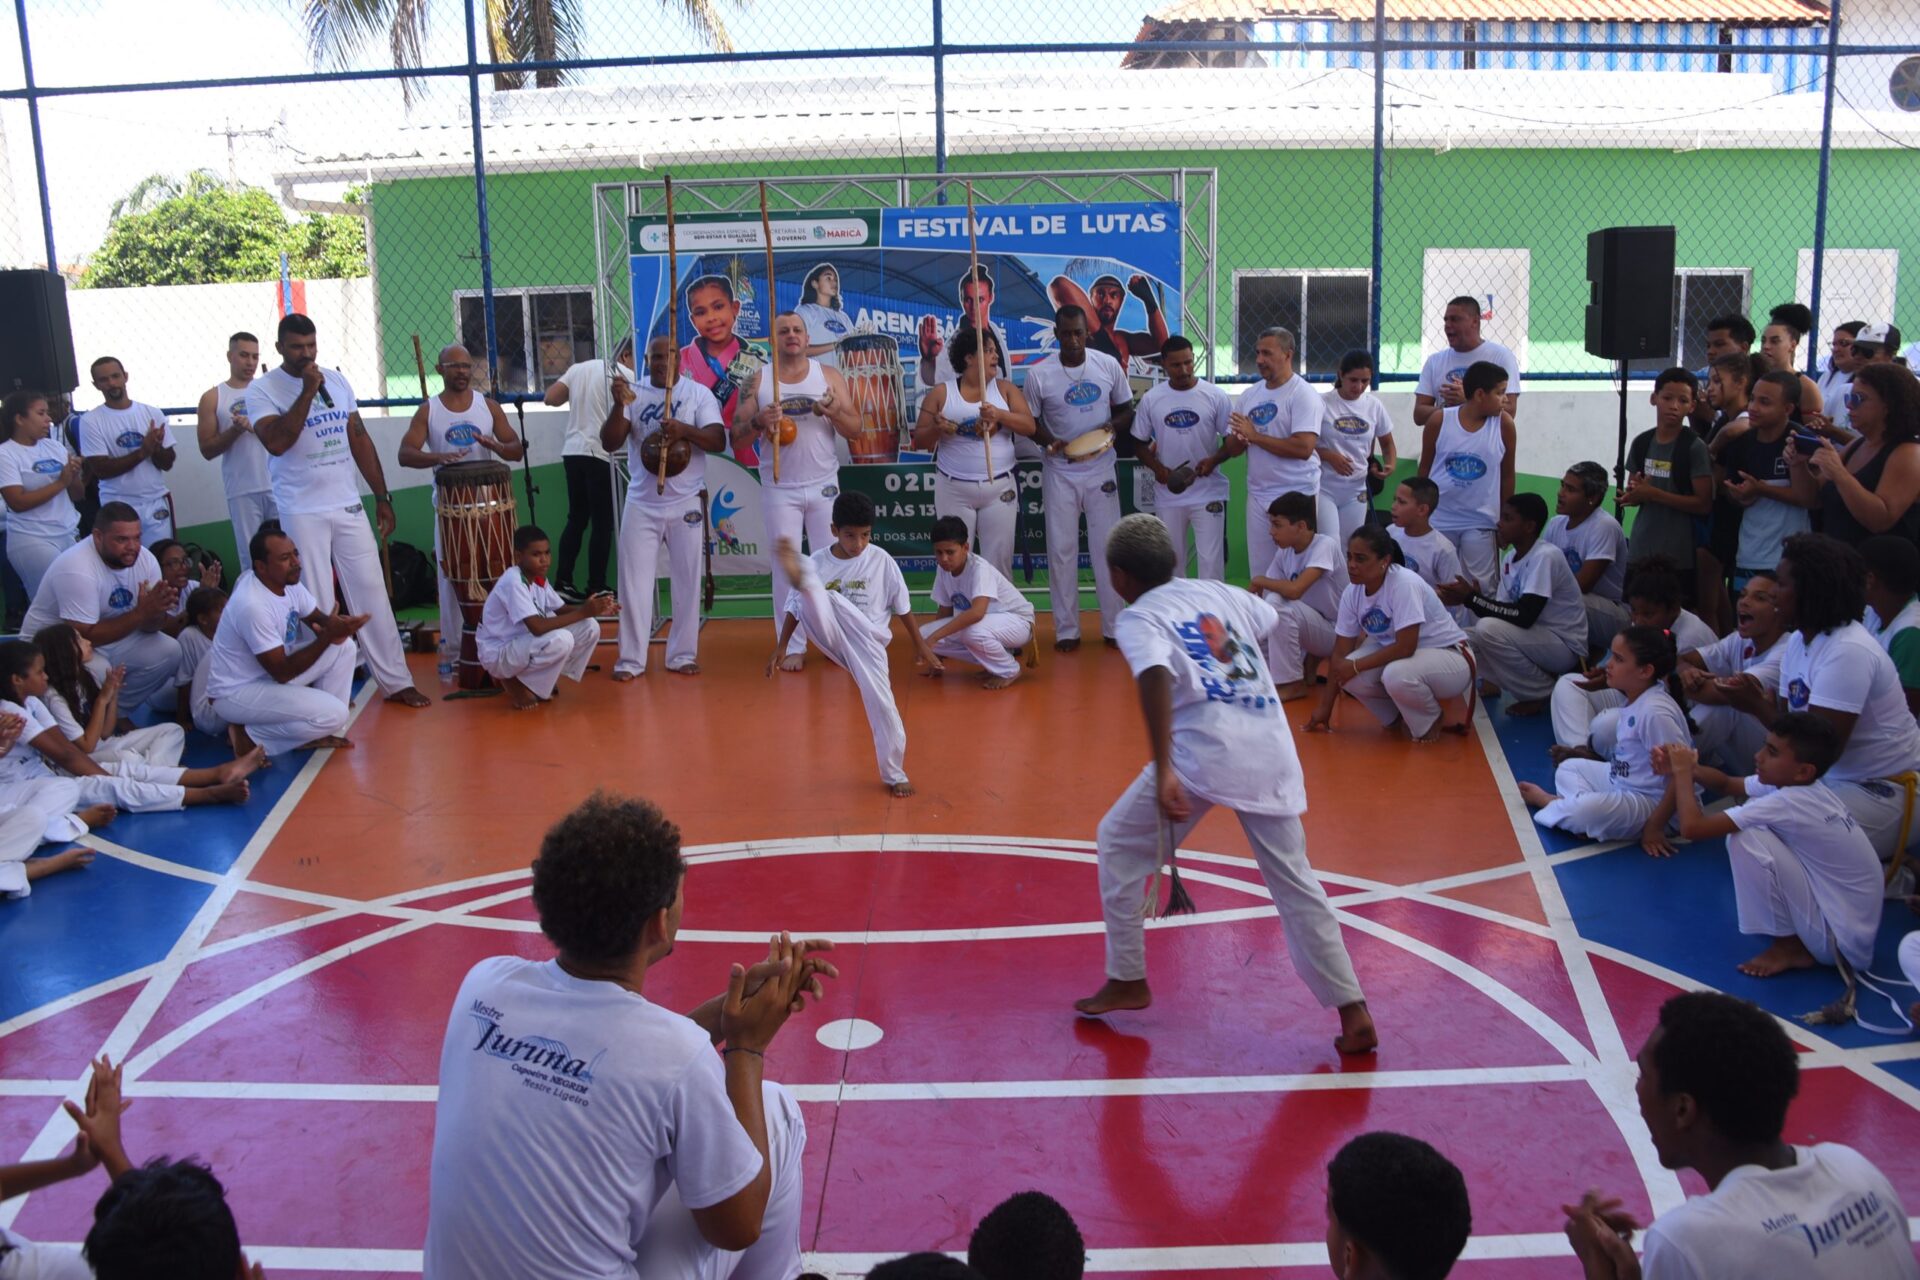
{"x": 773, "y": 344}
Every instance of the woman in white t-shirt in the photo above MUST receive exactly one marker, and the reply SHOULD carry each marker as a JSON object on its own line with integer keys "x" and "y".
{"x": 1355, "y": 421}
{"x": 1396, "y": 648}
{"x": 39, "y": 481}
{"x": 828, "y": 325}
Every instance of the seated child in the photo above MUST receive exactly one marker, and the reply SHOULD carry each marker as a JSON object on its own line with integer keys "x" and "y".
{"x": 176, "y": 570}
{"x": 529, "y": 637}
{"x": 1727, "y": 737}
{"x": 1596, "y": 549}
{"x": 1533, "y": 629}
{"x": 87, "y": 711}
{"x": 1303, "y": 581}
{"x": 204, "y": 608}
{"x": 980, "y": 616}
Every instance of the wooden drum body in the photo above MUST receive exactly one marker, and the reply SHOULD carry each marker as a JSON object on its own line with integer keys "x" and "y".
{"x": 870, "y": 362}
{"x": 476, "y": 518}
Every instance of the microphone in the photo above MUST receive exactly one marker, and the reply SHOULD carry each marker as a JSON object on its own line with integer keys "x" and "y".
{"x": 324, "y": 397}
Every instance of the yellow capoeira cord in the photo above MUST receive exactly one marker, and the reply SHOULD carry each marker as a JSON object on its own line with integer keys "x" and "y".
{"x": 1846, "y": 1008}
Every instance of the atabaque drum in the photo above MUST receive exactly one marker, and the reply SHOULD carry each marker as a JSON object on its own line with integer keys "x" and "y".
{"x": 475, "y": 519}
{"x": 870, "y": 362}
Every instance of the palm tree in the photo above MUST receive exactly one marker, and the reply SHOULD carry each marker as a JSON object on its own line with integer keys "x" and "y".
{"x": 156, "y": 189}
{"x": 338, "y": 31}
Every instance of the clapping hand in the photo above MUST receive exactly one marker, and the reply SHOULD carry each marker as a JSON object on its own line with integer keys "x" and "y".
{"x": 336, "y": 628}
{"x": 1600, "y": 1231}
{"x": 623, "y": 393}
{"x": 1456, "y": 593}
{"x": 11, "y": 727}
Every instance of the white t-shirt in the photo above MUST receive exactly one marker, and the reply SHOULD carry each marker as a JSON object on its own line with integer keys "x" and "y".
{"x": 1293, "y": 408}
{"x": 1447, "y": 363}
{"x": 1651, "y": 720}
{"x": 1403, "y": 600}
{"x": 871, "y": 581}
{"x": 1690, "y": 631}
{"x": 1074, "y": 401}
{"x": 1599, "y": 537}
{"x": 1843, "y": 871}
{"x": 1733, "y": 655}
{"x": 243, "y": 467}
{"x": 1352, "y": 427}
{"x": 1231, "y": 743}
{"x": 511, "y": 602}
{"x": 694, "y": 405}
{"x": 81, "y": 587}
{"x": 195, "y": 645}
{"x": 21, "y": 1259}
{"x": 115, "y": 433}
{"x": 22, "y": 763}
{"x": 566, "y": 1109}
{"x": 33, "y": 467}
{"x": 1185, "y": 428}
{"x": 1846, "y": 670}
{"x": 255, "y": 621}
{"x": 589, "y": 401}
{"x": 978, "y": 578}
{"x": 1543, "y": 572}
{"x": 1829, "y": 1216}
{"x": 64, "y": 716}
{"x": 1323, "y": 553}
{"x": 825, "y": 324}
{"x": 317, "y": 473}
{"x": 1905, "y": 620}
{"x": 1431, "y": 555}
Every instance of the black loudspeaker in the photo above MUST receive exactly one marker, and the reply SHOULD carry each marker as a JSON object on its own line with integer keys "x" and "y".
{"x": 1631, "y": 315}
{"x": 36, "y": 339}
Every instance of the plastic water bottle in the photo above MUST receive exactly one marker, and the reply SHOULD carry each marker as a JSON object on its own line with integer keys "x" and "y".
{"x": 446, "y": 665}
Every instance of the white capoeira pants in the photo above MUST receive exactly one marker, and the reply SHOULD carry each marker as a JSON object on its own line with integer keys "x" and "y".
{"x": 1339, "y": 519}
{"x": 156, "y": 516}
{"x": 987, "y": 642}
{"x": 160, "y": 744}
{"x": 644, "y": 527}
{"x": 1728, "y": 739}
{"x": 1129, "y": 852}
{"x": 1259, "y": 529}
{"x": 1773, "y": 895}
{"x": 1910, "y": 957}
{"x": 835, "y": 626}
{"x": 1879, "y": 806}
{"x": 990, "y": 510}
{"x": 1605, "y": 620}
{"x": 248, "y": 511}
{"x": 539, "y": 661}
{"x": 1589, "y": 805}
{"x": 133, "y": 787}
{"x": 54, "y": 798}
{"x": 1067, "y": 491}
{"x": 342, "y": 542}
{"x": 1523, "y": 661}
{"x": 1580, "y": 716}
{"x": 787, "y": 511}
{"x": 21, "y": 829}
{"x": 1209, "y": 535}
{"x": 1302, "y": 630}
{"x": 152, "y": 659}
{"x": 1479, "y": 555}
{"x": 1411, "y": 688}
{"x": 673, "y": 1246}
{"x": 279, "y": 717}
{"x": 30, "y": 554}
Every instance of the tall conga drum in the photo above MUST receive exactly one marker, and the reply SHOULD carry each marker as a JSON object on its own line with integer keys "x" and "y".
{"x": 476, "y": 522}
{"x": 877, "y": 380}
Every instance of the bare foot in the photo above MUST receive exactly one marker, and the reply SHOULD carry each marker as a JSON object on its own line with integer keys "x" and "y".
{"x": 991, "y": 681}
{"x": 690, "y": 669}
{"x": 1784, "y": 954}
{"x": 787, "y": 556}
{"x": 1292, "y": 690}
{"x": 221, "y": 793}
{"x": 1537, "y": 797}
{"x": 794, "y": 662}
{"x": 245, "y": 766}
{"x": 519, "y": 697}
{"x": 329, "y": 743}
{"x": 1527, "y": 707}
{"x": 1453, "y": 715}
{"x": 1428, "y": 738}
{"x": 410, "y": 697}
{"x": 1356, "y": 1030}
{"x": 65, "y": 860}
{"x": 237, "y": 739}
{"x": 1115, "y": 995}
{"x": 901, "y": 789}
{"x": 1488, "y": 689}
{"x": 1560, "y": 755}
{"x": 97, "y": 815}
{"x": 1066, "y": 646}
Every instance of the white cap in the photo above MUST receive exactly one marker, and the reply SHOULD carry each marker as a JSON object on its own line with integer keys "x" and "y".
{"x": 1874, "y": 335}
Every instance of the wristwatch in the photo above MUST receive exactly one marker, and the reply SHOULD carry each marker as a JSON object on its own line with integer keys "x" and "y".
{"x": 383, "y": 497}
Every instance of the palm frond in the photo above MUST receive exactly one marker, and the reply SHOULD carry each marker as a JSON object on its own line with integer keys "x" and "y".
{"x": 704, "y": 16}
{"x": 338, "y": 31}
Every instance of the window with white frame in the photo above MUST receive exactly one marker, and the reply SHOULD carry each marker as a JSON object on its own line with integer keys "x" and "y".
{"x": 1700, "y": 295}
{"x": 540, "y": 332}
{"x": 1325, "y": 310}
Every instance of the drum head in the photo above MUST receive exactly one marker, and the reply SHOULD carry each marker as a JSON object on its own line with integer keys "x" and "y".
{"x": 1090, "y": 444}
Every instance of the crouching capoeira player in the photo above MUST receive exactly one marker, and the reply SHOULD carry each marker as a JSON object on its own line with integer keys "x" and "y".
{"x": 529, "y": 637}
{"x": 108, "y": 588}
{"x": 312, "y": 451}
{"x": 844, "y": 596}
{"x": 269, "y": 687}
{"x": 659, "y": 513}
{"x": 1218, "y": 736}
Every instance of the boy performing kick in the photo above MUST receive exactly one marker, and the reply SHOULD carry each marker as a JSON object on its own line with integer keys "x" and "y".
{"x": 1218, "y": 737}
{"x": 844, "y": 596}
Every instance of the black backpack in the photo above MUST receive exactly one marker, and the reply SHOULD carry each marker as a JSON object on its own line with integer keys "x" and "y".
{"x": 414, "y": 581}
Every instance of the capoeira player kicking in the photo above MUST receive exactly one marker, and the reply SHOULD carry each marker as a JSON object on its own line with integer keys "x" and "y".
{"x": 1219, "y": 737}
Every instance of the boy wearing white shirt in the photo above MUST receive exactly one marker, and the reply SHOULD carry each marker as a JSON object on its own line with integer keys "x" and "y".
{"x": 659, "y": 514}
{"x": 1354, "y": 422}
{"x": 1180, "y": 434}
{"x": 224, "y": 431}
{"x": 1423, "y": 549}
{"x": 128, "y": 447}
{"x": 1218, "y": 737}
{"x": 1277, "y": 421}
{"x": 1716, "y": 1077}
{"x": 1468, "y": 451}
{"x": 1727, "y": 737}
{"x": 1533, "y": 629}
{"x": 108, "y": 588}
{"x": 309, "y": 423}
{"x": 529, "y": 637}
{"x": 261, "y": 680}
{"x": 1596, "y": 550}
{"x": 1073, "y": 392}
{"x": 1303, "y": 582}
{"x": 981, "y": 617}
{"x": 846, "y": 596}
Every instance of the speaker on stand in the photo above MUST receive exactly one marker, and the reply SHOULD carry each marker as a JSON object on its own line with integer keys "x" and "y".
{"x": 36, "y": 339}
{"x": 1630, "y": 316}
